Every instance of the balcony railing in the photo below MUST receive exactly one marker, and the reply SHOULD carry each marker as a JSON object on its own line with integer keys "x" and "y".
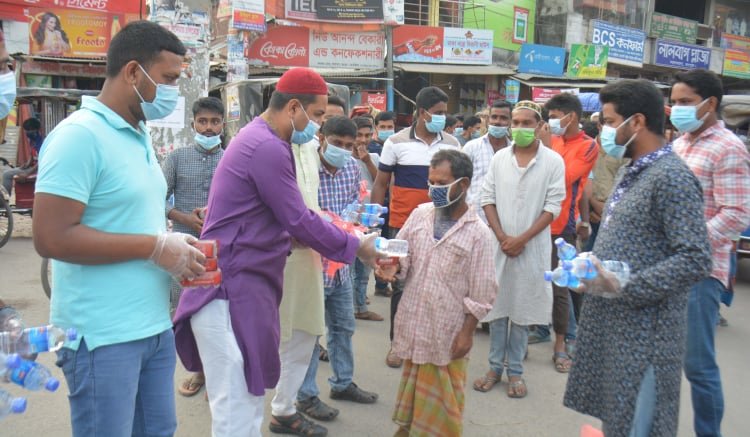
{"x": 450, "y": 13}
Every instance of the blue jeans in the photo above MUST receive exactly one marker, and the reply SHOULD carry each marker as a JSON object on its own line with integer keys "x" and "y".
{"x": 645, "y": 405}
{"x": 360, "y": 279}
{"x": 505, "y": 345}
{"x": 701, "y": 368}
{"x": 122, "y": 390}
{"x": 340, "y": 323}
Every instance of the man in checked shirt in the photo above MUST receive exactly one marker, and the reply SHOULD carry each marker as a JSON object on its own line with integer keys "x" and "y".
{"x": 188, "y": 171}
{"x": 722, "y": 165}
{"x": 449, "y": 286}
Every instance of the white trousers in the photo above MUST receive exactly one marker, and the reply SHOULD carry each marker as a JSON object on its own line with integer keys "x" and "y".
{"x": 295, "y": 357}
{"x": 234, "y": 411}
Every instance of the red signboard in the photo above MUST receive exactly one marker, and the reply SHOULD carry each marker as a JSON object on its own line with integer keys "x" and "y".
{"x": 286, "y": 46}
{"x": 376, "y": 99}
{"x": 110, "y": 6}
{"x": 542, "y": 95}
{"x": 415, "y": 43}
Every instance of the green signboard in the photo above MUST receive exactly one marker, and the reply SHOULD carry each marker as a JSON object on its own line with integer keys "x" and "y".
{"x": 675, "y": 28}
{"x": 512, "y": 21}
{"x": 588, "y": 61}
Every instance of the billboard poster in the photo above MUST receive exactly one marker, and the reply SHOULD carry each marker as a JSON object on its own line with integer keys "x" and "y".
{"x": 626, "y": 45}
{"x": 737, "y": 64}
{"x": 308, "y": 10}
{"x": 675, "y": 28}
{"x": 679, "y": 55}
{"x": 467, "y": 46}
{"x": 350, "y": 10}
{"x": 542, "y": 95}
{"x": 418, "y": 44}
{"x": 512, "y": 22}
{"x": 588, "y": 61}
{"x": 512, "y": 90}
{"x": 541, "y": 59}
{"x": 249, "y": 15}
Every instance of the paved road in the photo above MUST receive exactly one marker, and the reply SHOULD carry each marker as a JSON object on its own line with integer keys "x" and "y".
{"x": 489, "y": 414}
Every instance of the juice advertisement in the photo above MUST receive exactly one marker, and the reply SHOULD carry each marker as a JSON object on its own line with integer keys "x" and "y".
{"x": 72, "y": 33}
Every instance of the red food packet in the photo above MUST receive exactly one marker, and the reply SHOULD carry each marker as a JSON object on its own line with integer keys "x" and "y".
{"x": 212, "y": 264}
{"x": 390, "y": 261}
{"x": 208, "y": 279}
{"x": 210, "y": 248}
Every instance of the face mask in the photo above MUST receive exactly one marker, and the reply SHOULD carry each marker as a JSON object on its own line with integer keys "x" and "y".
{"x": 476, "y": 134}
{"x": 164, "y": 102}
{"x": 306, "y": 135}
{"x": 7, "y": 93}
{"x": 607, "y": 140}
{"x": 440, "y": 194}
{"x": 685, "y": 118}
{"x": 437, "y": 124}
{"x": 523, "y": 136}
{"x": 336, "y": 156}
{"x": 555, "y": 128}
{"x": 207, "y": 143}
{"x": 385, "y": 134}
{"x": 498, "y": 131}
{"x": 458, "y": 131}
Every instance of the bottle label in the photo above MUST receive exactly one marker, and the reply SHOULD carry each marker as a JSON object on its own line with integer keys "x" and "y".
{"x": 18, "y": 375}
{"x": 38, "y": 340}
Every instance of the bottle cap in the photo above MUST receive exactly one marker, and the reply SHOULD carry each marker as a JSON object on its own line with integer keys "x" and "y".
{"x": 381, "y": 221}
{"x": 559, "y": 242}
{"x": 72, "y": 334}
{"x": 384, "y": 210}
{"x": 52, "y": 384}
{"x": 12, "y": 361}
{"x": 548, "y": 276}
{"x": 18, "y": 405}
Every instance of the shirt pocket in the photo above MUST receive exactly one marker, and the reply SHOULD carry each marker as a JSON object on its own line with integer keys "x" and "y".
{"x": 452, "y": 265}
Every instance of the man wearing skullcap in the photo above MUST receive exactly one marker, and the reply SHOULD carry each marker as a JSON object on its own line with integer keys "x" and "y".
{"x": 255, "y": 212}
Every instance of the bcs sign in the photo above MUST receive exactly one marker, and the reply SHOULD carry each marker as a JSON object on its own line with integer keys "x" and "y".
{"x": 625, "y": 44}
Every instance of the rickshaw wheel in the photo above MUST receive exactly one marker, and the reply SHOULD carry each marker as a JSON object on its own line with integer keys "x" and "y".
{"x": 6, "y": 221}
{"x": 47, "y": 277}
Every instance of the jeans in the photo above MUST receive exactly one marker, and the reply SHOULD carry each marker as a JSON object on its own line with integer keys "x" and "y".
{"x": 507, "y": 345}
{"x": 122, "y": 390}
{"x": 645, "y": 404}
{"x": 360, "y": 279}
{"x": 340, "y": 325}
{"x": 701, "y": 368}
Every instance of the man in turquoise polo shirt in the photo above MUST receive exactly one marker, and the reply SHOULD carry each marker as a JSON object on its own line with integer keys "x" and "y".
{"x": 99, "y": 213}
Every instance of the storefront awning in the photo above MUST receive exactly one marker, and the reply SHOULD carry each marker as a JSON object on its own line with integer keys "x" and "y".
{"x": 557, "y": 82}
{"x": 339, "y": 73}
{"x": 478, "y": 70}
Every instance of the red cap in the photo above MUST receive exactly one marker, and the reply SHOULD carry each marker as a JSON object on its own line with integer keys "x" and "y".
{"x": 302, "y": 81}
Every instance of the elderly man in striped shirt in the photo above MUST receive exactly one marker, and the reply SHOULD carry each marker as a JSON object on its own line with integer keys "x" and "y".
{"x": 449, "y": 286}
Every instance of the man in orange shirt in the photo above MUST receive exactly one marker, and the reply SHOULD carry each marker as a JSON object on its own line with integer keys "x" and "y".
{"x": 579, "y": 151}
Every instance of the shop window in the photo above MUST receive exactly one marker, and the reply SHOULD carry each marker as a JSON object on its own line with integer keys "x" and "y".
{"x": 691, "y": 9}
{"x": 732, "y": 18}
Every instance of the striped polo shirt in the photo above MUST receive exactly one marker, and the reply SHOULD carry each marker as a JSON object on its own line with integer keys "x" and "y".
{"x": 408, "y": 157}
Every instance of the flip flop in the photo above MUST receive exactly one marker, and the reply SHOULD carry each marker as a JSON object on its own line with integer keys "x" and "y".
{"x": 486, "y": 381}
{"x": 192, "y": 385}
{"x": 517, "y": 389}
{"x": 562, "y": 362}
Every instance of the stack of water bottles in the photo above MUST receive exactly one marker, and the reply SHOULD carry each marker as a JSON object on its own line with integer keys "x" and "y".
{"x": 366, "y": 214}
{"x": 18, "y": 349}
{"x": 574, "y": 267}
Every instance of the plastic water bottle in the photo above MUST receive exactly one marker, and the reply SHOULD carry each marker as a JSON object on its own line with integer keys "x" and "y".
{"x": 371, "y": 220}
{"x": 11, "y": 405}
{"x": 565, "y": 251}
{"x": 562, "y": 277}
{"x": 620, "y": 269}
{"x": 374, "y": 208}
{"x": 33, "y": 376}
{"x": 48, "y": 338}
{"x": 10, "y": 321}
{"x": 397, "y": 248}
{"x": 8, "y": 363}
{"x": 582, "y": 268}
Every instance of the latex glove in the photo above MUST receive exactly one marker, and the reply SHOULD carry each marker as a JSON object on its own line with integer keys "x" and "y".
{"x": 605, "y": 284}
{"x": 175, "y": 254}
{"x": 366, "y": 251}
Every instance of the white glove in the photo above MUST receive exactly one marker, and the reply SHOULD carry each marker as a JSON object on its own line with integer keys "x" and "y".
{"x": 606, "y": 284}
{"x": 175, "y": 254}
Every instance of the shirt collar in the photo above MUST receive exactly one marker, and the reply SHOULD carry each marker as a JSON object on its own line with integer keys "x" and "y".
{"x": 719, "y": 125}
{"x": 413, "y": 135}
{"x": 203, "y": 151}
{"x": 113, "y": 119}
{"x": 645, "y": 161}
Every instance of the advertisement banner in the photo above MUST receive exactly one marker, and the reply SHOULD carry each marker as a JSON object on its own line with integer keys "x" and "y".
{"x": 625, "y": 43}
{"x": 675, "y": 28}
{"x": 282, "y": 46}
{"x": 71, "y": 33}
{"x": 542, "y": 95}
{"x": 108, "y": 6}
{"x": 418, "y": 44}
{"x": 512, "y": 21}
{"x": 541, "y": 59}
{"x": 520, "y": 25}
{"x": 309, "y": 9}
{"x": 347, "y": 49}
{"x": 376, "y": 99}
{"x": 467, "y": 46}
{"x": 350, "y": 10}
{"x": 737, "y": 64}
{"x": 735, "y": 42}
{"x": 512, "y": 90}
{"x": 678, "y": 55}
{"x": 393, "y": 12}
{"x": 588, "y": 61}
{"x": 249, "y": 15}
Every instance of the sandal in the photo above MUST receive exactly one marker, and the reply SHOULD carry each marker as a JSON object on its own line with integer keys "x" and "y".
{"x": 562, "y": 362}
{"x": 487, "y": 381}
{"x": 192, "y": 385}
{"x": 323, "y": 354}
{"x": 317, "y": 409}
{"x": 517, "y": 389}
{"x": 296, "y": 424}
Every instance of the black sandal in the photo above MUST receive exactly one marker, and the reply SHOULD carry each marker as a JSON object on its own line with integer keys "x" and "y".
{"x": 296, "y": 424}
{"x": 317, "y": 409}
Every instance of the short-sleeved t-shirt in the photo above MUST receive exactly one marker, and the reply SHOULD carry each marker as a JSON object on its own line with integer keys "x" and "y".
{"x": 408, "y": 158}
{"x": 95, "y": 157}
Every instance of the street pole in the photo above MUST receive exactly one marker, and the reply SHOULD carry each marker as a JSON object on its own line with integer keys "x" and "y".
{"x": 389, "y": 66}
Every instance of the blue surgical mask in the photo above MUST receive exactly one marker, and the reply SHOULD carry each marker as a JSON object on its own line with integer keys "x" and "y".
{"x": 208, "y": 143}
{"x": 555, "y": 128}
{"x": 385, "y": 134}
{"x": 307, "y": 134}
{"x": 7, "y": 93}
{"x": 458, "y": 131}
{"x": 498, "y": 131}
{"x": 436, "y": 124}
{"x": 476, "y": 134}
{"x": 685, "y": 118}
{"x": 607, "y": 140}
{"x": 336, "y": 156}
{"x": 164, "y": 101}
{"x": 440, "y": 194}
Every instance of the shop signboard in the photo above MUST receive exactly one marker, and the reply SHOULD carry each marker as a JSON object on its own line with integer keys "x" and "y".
{"x": 350, "y": 10}
{"x": 737, "y": 64}
{"x": 393, "y": 12}
{"x": 467, "y": 46}
{"x": 512, "y": 90}
{"x": 541, "y": 59}
{"x": 542, "y": 95}
{"x": 376, "y": 99}
{"x": 249, "y": 15}
{"x": 675, "y": 28}
{"x": 512, "y": 22}
{"x": 418, "y": 44}
{"x": 282, "y": 46}
{"x": 588, "y": 61}
{"x": 678, "y": 55}
{"x": 735, "y": 42}
{"x": 625, "y": 44}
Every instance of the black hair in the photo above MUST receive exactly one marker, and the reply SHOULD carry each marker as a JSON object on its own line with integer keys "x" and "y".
{"x": 430, "y": 96}
{"x": 209, "y": 104}
{"x": 703, "y": 82}
{"x": 337, "y": 101}
{"x": 141, "y": 41}
{"x": 450, "y": 121}
{"x": 341, "y": 126}
{"x": 384, "y": 116}
{"x": 41, "y": 30}
{"x": 279, "y": 100}
{"x": 565, "y": 102}
{"x": 636, "y": 96}
{"x": 32, "y": 124}
{"x": 591, "y": 128}
{"x": 460, "y": 117}
{"x": 502, "y": 104}
{"x": 362, "y": 122}
{"x": 461, "y": 166}
{"x": 471, "y": 120}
